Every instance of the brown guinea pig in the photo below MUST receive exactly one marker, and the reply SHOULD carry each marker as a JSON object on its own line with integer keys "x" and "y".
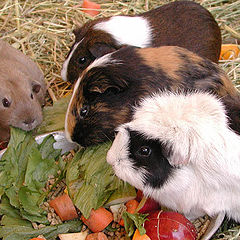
{"x": 108, "y": 90}
{"x": 22, "y": 91}
{"x": 182, "y": 23}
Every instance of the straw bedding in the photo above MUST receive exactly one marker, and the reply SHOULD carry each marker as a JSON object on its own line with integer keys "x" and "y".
{"x": 43, "y": 31}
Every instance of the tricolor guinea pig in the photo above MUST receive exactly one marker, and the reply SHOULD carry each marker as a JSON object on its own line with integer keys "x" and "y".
{"x": 182, "y": 23}
{"x": 104, "y": 96}
{"x": 22, "y": 91}
{"x": 179, "y": 150}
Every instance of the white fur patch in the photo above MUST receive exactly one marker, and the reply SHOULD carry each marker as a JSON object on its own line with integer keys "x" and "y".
{"x": 195, "y": 125}
{"x": 66, "y": 62}
{"x": 102, "y": 61}
{"x": 134, "y": 31}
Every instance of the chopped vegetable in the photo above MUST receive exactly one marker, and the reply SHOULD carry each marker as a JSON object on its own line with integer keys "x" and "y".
{"x": 117, "y": 211}
{"x": 64, "y": 207}
{"x": 134, "y": 220}
{"x": 97, "y": 236}
{"x": 91, "y": 7}
{"x": 98, "y": 220}
{"x": 54, "y": 116}
{"x": 82, "y": 179}
{"x": 131, "y": 208}
{"x": 138, "y": 236}
{"x": 73, "y": 236}
{"x": 229, "y": 52}
{"x": 122, "y": 194}
{"x": 169, "y": 226}
{"x": 36, "y": 239}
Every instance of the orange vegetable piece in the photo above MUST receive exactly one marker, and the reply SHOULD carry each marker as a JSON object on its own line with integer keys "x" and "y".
{"x": 91, "y": 7}
{"x": 98, "y": 220}
{"x": 137, "y": 236}
{"x": 36, "y": 239}
{"x": 96, "y": 236}
{"x": 64, "y": 207}
{"x": 229, "y": 51}
{"x": 131, "y": 208}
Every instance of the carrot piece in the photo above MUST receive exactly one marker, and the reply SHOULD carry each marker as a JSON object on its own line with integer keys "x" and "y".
{"x": 98, "y": 220}
{"x": 229, "y": 51}
{"x": 137, "y": 236}
{"x": 91, "y": 7}
{"x": 131, "y": 208}
{"x": 96, "y": 236}
{"x": 36, "y": 239}
{"x": 64, "y": 207}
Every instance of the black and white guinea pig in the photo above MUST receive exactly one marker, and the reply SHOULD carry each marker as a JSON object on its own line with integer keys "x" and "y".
{"x": 179, "y": 150}
{"x": 182, "y": 23}
{"x": 105, "y": 94}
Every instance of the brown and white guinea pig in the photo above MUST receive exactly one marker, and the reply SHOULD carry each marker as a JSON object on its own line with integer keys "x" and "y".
{"x": 179, "y": 150}
{"x": 182, "y": 23}
{"x": 22, "y": 91}
{"x": 105, "y": 94}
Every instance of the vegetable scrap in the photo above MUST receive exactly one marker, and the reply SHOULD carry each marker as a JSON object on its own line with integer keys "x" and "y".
{"x": 138, "y": 236}
{"x": 98, "y": 220}
{"x": 97, "y": 236}
{"x": 229, "y": 52}
{"x": 64, "y": 207}
{"x": 90, "y": 7}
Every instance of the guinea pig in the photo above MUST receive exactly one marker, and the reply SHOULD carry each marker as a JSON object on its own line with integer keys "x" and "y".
{"x": 105, "y": 94}
{"x": 22, "y": 91}
{"x": 179, "y": 150}
{"x": 182, "y": 23}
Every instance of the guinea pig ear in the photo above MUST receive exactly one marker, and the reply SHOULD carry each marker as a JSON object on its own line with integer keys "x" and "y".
{"x": 36, "y": 87}
{"x": 180, "y": 154}
{"x": 100, "y": 49}
{"x": 102, "y": 88}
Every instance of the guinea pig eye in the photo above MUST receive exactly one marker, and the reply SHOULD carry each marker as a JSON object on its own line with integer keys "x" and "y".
{"x": 31, "y": 96}
{"x": 144, "y": 151}
{"x": 6, "y": 103}
{"x": 83, "y": 111}
{"x": 82, "y": 60}
{"x": 36, "y": 88}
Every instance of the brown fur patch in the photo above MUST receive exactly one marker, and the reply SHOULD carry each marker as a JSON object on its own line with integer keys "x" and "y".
{"x": 163, "y": 58}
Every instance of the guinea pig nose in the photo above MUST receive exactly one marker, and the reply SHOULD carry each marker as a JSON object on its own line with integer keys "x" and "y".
{"x": 84, "y": 111}
{"x": 28, "y": 121}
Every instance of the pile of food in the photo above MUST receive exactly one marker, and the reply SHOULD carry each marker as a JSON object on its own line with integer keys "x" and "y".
{"x": 50, "y": 195}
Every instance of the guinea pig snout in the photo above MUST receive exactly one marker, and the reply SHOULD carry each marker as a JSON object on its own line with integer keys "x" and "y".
{"x": 29, "y": 124}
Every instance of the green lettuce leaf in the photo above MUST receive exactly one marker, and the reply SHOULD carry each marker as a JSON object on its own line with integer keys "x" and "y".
{"x": 22, "y": 231}
{"x": 91, "y": 180}
{"x": 24, "y": 171}
{"x": 54, "y": 116}
{"x": 132, "y": 220}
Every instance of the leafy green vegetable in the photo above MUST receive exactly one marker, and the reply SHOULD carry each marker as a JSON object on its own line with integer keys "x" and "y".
{"x": 16, "y": 230}
{"x": 91, "y": 181}
{"x": 24, "y": 170}
{"x": 132, "y": 220}
{"x": 54, "y": 116}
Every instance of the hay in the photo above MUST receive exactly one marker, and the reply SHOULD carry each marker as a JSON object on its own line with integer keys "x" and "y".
{"x": 43, "y": 31}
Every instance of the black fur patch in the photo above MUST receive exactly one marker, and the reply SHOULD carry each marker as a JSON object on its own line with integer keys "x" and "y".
{"x": 156, "y": 164}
